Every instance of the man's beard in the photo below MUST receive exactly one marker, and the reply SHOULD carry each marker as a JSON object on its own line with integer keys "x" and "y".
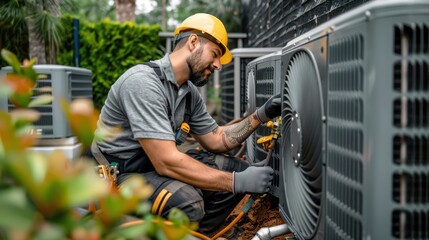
{"x": 197, "y": 70}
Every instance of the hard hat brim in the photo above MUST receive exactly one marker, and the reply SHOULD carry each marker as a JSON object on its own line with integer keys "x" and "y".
{"x": 226, "y": 57}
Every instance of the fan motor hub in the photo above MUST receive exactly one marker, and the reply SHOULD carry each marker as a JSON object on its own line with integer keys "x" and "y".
{"x": 295, "y": 138}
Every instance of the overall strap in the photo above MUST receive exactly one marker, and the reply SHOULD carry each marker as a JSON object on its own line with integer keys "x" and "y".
{"x": 184, "y": 128}
{"x": 188, "y": 110}
{"x": 156, "y": 68}
{"x": 161, "y": 77}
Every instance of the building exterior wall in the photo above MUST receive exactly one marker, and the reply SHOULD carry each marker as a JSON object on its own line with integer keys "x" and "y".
{"x": 272, "y": 23}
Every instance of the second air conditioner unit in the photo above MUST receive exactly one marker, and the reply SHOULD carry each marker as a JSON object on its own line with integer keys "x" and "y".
{"x": 233, "y": 82}
{"x": 263, "y": 81}
{"x": 65, "y": 82}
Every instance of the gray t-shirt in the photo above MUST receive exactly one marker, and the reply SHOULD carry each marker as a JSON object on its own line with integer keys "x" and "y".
{"x": 138, "y": 102}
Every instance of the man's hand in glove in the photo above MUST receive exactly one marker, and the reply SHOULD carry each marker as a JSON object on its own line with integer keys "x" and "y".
{"x": 270, "y": 110}
{"x": 252, "y": 180}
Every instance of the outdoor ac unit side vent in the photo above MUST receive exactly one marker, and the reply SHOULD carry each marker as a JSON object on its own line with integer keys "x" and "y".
{"x": 341, "y": 226}
{"x": 275, "y": 164}
{"x": 410, "y": 75}
{"x": 345, "y": 138}
{"x": 411, "y": 150}
{"x": 342, "y": 164}
{"x": 227, "y": 95}
{"x": 411, "y": 37}
{"x": 347, "y": 109}
{"x": 227, "y": 85}
{"x": 347, "y": 49}
{"x": 416, "y": 75}
{"x": 410, "y": 113}
{"x": 63, "y": 83}
{"x": 264, "y": 90}
{"x": 410, "y": 224}
{"x": 414, "y": 186}
{"x": 264, "y": 85}
{"x": 243, "y": 85}
{"x": 46, "y": 114}
{"x": 81, "y": 86}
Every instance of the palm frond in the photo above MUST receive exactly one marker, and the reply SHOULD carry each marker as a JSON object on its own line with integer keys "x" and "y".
{"x": 49, "y": 28}
{"x": 12, "y": 14}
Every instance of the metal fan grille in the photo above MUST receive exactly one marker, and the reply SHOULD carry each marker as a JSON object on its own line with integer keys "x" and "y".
{"x": 302, "y": 144}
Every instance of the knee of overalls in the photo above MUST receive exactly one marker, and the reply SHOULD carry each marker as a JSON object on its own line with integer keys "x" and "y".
{"x": 179, "y": 195}
{"x": 170, "y": 193}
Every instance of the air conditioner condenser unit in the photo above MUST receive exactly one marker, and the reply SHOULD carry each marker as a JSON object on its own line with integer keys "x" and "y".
{"x": 355, "y": 125}
{"x": 65, "y": 82}
{"x": 263, "y": 81}
{"x": 233, "y": 82}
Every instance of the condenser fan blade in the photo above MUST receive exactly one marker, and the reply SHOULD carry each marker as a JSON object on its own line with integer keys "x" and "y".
{"x": 250, "y": 108}
{"x": 302, "y": 144}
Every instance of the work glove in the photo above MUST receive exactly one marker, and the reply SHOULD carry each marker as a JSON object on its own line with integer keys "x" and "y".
{"x": 252, "y": 180}
{"x": 270, "y": 109}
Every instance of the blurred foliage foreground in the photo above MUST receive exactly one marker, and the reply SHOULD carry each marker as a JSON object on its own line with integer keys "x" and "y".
{"x": 41, "y": 195}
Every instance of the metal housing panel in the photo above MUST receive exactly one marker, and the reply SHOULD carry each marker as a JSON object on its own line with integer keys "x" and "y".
{"x": 375, "y": 88}
{"x": 377, "y": 134}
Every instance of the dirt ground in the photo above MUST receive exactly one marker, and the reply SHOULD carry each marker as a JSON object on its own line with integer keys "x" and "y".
{"x": 263, "y": 213}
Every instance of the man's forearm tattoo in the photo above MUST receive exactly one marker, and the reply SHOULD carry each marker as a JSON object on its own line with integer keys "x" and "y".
{"x": 224, "y": 142}
{"x": 237, "y": 133}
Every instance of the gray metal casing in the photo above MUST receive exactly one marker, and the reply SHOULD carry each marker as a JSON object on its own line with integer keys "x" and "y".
{"x": 233, "y": 82}
{"x": 373, "y": 65}
{"x": 67, "y": 83}
{"x": 266, "y": 71}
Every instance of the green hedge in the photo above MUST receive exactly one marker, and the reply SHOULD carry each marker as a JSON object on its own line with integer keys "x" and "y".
{"x": 108, "y": 48}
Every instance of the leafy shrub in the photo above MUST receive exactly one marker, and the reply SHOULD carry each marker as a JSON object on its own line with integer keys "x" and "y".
{"x": 108, "y": 48}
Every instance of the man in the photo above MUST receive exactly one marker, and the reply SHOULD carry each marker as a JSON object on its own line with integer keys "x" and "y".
{"x": 150, "y": 109}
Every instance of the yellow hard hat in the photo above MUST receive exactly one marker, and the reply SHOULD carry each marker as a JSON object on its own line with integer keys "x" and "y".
{"x": 212, "y": 28}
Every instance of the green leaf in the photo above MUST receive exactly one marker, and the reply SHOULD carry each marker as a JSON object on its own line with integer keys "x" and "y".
{"x": 21, "y": 100}
{"x": 132, "y": 232}
{"x": 77, "y": 191}
{"x": 29, "y": 71}
{"x": 50, "y": 232}
{"x": 11, "y": 59}
{"x": 37, "y": 166}
{"x": 114, "y": 207}
{"x": 5, "y": 90}
{"x": 178, "y": 217}
{"x": 41, "y": 100}
{"x": 143, "y": 208}
{"x": 16, "y": 211}
{"x": 22, "y": 119}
